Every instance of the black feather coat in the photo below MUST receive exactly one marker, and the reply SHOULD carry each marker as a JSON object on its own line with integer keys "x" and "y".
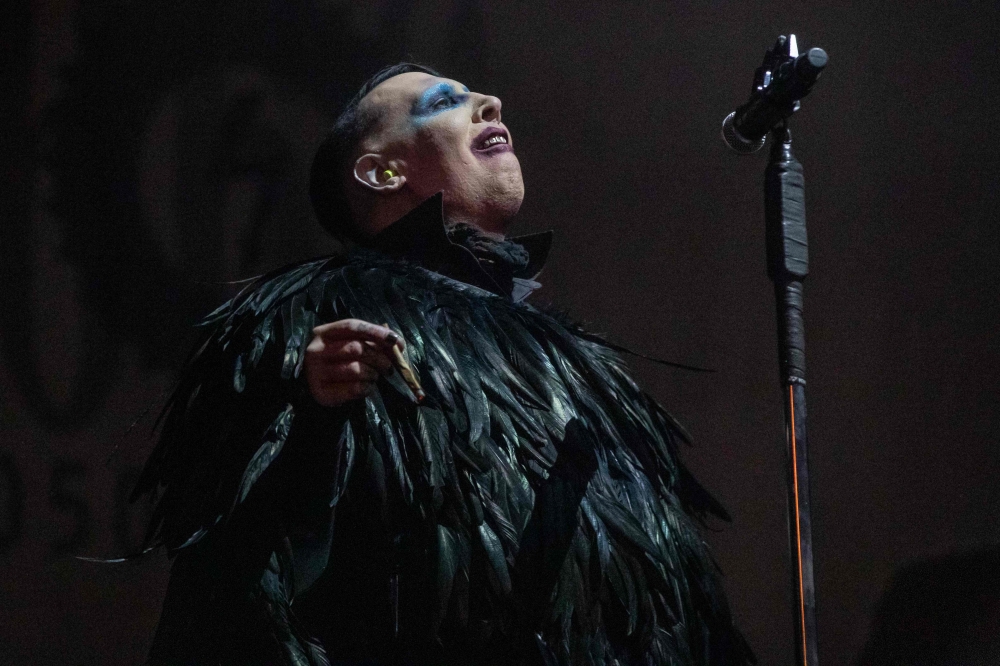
{"x": 532, "y": 510}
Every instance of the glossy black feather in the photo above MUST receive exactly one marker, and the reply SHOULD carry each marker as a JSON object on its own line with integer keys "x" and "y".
{"x": 455, "y": 479}
{"x": 268, "y": 451}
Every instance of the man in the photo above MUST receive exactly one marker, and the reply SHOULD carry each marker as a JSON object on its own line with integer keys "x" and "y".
{"x": 519, "y": 501}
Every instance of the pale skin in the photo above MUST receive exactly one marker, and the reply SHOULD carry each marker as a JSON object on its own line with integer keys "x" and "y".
{"x": 429, "y": 135}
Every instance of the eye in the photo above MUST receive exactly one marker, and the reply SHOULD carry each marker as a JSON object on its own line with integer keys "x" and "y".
{"x": 441, "y": 103}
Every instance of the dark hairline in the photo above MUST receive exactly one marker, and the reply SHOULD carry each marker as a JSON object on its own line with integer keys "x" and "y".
{"x": 326, "y": 182}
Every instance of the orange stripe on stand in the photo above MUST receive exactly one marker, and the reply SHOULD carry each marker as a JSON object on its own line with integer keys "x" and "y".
{"x": 798, "y": 525}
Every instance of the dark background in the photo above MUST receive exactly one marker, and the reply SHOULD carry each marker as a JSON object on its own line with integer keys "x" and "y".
{"x": 154, "y": 150}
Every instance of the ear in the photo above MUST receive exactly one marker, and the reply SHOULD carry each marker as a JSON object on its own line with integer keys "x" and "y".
{"x": 370, "y": 170}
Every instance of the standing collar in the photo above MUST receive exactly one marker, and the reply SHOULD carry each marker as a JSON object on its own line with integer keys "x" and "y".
{"x": 421, "y": 237}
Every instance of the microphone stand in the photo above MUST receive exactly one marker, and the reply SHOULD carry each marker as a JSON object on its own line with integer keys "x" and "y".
{"x": 787, "y": 266}
{"x": 784, "y": 78}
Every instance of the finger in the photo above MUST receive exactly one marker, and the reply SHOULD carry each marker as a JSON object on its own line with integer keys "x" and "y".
{"x": 353, "y": 350}
{"x": 377, "y": 359}
{"x": 344, "y": 350}
{"x": 323, "y": 376}
{"x": 351, "y": 372}
{"x": 367, "y": 352}
{"x": 356, "y": 329}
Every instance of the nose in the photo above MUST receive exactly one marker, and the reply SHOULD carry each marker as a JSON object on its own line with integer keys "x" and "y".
{"x": 488, "y": 109}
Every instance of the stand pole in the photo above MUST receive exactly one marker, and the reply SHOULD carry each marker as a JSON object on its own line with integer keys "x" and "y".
{"x": 788, "y": 265}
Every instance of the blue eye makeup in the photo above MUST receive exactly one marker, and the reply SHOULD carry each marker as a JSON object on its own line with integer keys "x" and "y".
{"x": 438, "y": 98}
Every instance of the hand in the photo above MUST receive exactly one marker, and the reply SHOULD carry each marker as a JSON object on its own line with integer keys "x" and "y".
{"x": 344, "y": 359}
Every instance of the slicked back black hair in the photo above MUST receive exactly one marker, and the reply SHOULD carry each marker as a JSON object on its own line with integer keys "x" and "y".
{"x": 326, "y": 177}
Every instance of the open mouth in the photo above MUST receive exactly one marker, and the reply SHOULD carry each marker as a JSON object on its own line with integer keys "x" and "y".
{"x": 492, "y": 140}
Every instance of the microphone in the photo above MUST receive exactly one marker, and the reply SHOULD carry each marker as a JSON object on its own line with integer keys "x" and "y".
{"x": 784, "y": 78}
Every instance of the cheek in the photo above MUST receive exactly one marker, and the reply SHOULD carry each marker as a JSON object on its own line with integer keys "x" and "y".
{"x": 443, "y": 143}
{"x": 428, "y": 172}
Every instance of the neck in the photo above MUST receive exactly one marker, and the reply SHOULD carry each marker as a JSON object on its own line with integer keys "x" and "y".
{"x": 386, "y": 211}
{"x": 492, "y": 228}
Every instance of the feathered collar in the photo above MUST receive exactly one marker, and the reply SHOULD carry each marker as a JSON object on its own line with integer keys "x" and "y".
{"x": 507, "y": 267}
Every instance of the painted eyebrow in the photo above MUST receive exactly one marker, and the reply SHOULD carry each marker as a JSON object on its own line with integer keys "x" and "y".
{"x": 429, "y": 94}
{"x": 436, "y": 89}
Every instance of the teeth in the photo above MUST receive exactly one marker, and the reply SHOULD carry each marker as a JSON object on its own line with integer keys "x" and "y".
{"x": 494, "y": 140}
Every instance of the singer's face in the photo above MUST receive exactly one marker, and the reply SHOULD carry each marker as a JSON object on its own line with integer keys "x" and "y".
{"x": 448, "y": 139}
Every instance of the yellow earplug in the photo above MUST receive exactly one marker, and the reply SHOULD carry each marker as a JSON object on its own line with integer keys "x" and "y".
{"x": 388, "y": 173}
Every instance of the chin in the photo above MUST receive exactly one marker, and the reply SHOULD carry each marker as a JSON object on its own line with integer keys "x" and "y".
{"x": 488, "y": 197}
{"x": 501, "y": 206}
{"x": 509, "y": 206}
{"x": 507, "y": 192}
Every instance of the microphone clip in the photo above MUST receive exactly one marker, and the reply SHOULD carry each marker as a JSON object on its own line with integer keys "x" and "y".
{"x": 781, "y": 81}
{"x": 779, "y": 62}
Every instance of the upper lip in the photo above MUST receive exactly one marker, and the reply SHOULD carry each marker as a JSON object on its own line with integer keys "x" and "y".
{"x": 489, "y": 132}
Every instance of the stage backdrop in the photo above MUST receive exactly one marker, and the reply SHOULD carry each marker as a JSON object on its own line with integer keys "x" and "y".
{"x": 155, "y": 151}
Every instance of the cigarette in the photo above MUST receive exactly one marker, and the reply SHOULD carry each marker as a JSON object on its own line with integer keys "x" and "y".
{"x": 407, "y": 373}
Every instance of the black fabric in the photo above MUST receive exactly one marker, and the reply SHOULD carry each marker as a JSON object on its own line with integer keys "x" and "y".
{"x": 488, "y": 248}
{"x": 532, "y": 510}
{"x": 461, "y": 251}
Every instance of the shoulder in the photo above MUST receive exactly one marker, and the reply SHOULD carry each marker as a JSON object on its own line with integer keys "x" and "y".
{"x": 322, "y": 284}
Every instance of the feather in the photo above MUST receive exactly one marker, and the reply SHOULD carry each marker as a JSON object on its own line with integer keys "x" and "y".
{"x": 502, "y": 526}
{"x": 447, "y": 566}
{"x": 460, "y": 589}
{"x": 503, "y": 380}
{"x": 291, "y": 316}
{"x": 375, "y": 468}
{"x": 600, "y": 536}
{"x": 390, "y": 445}
{"x": 623, "y": 523}
{"x": 621, "y": 573}
{"x": 473, "y": 460}
{"x": 344, "y": 463}
{"x": 239, "y": 376}
{"x": 496, "y": 557}
{"x": 432, "y": 433}
{"x": 274, "y": 440}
